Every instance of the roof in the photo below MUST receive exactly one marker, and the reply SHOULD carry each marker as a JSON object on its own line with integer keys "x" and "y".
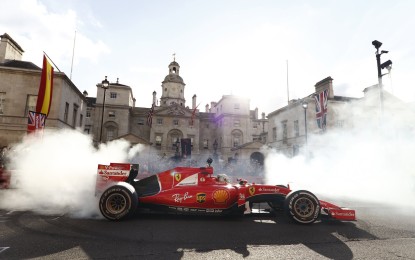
{"x": 174, "y": 63}
{"x": 20, "y": 64}
{"x": 173, "y": 78}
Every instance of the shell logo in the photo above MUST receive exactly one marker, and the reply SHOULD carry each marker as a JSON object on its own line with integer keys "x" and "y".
{"x": 251, "y": 190}
{"x": 220, "y": 196}
{"x": 177, "y": 176}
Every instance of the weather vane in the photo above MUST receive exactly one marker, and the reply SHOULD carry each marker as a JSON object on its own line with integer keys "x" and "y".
{"x": 174, "y": 56}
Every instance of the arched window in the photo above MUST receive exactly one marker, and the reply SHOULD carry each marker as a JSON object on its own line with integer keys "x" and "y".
{"x": 237, "y": 138}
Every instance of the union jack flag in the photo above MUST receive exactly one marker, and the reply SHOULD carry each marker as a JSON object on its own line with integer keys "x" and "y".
{"x": 150, "y": 116}
{"x": 321, "y": 108}
{"x": 35, "y": 121}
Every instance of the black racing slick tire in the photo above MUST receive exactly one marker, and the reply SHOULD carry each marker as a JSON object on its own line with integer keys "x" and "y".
{"x": 118, "y": 201}
{"x": 302, "y": 207}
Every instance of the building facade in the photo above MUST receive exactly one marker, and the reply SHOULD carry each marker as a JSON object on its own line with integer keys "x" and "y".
{"x": 223, "y": 130}
{"x": 19, "y": 85}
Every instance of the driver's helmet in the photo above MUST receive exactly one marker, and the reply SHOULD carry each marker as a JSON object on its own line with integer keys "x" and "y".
{"x": 223, "y": 178}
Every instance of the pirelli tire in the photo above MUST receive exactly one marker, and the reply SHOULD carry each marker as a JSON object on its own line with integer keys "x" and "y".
{"x": 302, "y": 207}
{"x": 118, "y": 201}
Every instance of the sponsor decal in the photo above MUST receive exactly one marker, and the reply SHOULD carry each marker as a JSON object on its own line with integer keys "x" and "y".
{"x": 180, "y": 198}
{"x": 251, "y": 190}
{"x": 113, "y": 172}
{"x": 220, "y": 196}
{"x": 190, "y": 180}
{"x": 275, "y": 190}
{"x": 177, "y": 177}
{"x": 201, "y": 197}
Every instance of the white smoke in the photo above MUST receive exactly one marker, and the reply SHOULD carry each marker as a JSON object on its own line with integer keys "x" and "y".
{"x": 56, "y": 173}
{"x": 371, "y": 161}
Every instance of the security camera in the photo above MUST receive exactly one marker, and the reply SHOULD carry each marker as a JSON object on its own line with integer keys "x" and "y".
{"x": 386, "y": 64}
{"x": 377, "y": 44}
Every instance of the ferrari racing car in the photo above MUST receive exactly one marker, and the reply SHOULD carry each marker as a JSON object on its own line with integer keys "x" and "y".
{"x": 190, "y": 190}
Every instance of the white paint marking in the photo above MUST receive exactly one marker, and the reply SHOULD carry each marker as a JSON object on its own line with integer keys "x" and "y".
{"x": 3, "y": 249}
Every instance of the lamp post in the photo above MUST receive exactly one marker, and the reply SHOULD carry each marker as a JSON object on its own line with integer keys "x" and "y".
{"x": 215, "y": 148}
{"x": 380, "y": 66}
{"x": 305, "y": 106}
{"x": 105, "y": 85}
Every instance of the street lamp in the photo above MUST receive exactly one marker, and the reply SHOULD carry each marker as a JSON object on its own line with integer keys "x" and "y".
{"x": 215, "y": 148}
{"x": 380, "y": 66}
{"x": 105, "y": 85}
{"x": 305, "y": 106}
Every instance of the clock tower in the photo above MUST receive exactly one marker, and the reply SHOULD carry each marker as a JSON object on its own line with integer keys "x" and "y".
{"x": 173, "y": 87}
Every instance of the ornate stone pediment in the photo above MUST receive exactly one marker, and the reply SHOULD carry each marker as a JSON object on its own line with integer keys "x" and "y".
{"x": 176, "y": 110}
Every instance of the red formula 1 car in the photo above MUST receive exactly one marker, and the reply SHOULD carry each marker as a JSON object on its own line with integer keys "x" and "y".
{"x": 197, "y": 191}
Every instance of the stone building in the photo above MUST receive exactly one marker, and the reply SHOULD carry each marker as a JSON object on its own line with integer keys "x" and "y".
{"x": 19, "y": 85}
{"x": 291, "y": 126}
{"x": 226, "y": 129}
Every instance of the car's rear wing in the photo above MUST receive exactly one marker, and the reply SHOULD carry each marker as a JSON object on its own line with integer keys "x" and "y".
{"x": 115, "y": 172}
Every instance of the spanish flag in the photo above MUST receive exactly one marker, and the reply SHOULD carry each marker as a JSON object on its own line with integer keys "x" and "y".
{"x": 44, "y": 97}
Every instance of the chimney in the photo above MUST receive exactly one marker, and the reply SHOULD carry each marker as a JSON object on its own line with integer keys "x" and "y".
{"x": 263, "y": 115}
{"x": 207, "y": 108}
{"x": 194, "y": 101}
{"x": 256, "y": 113}
{"x": 9, "y": 49}
{"x": 154, "y": 97}
{"x": 324, "y": 84}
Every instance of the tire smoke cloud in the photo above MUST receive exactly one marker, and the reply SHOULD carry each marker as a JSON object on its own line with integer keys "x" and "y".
{"x": 56, "y": 173}
{"x": 368, "y": 162}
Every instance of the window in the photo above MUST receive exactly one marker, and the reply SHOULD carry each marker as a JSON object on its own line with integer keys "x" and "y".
{"x": 274, "y": 134}
{"x": 236, "y": 141}
{"x": 75, "y": 114}
{"x": 87, "y": 129}
{"x": 236, "y": 138}
{"x": 236, "y": 123}
{"x": 284, "y": 132}
{"x": 176, "y": 122}
{"x": 65, "y": 115}
{"x": 339, "y": 123}
{"x": 111, "y": 114}
{"x": 2, "y": 101}
{"x": 140, "y": 121}
{"x": 81, "y": 119}
{"x": 236, "y": 106}
{"x": 110, "y": 134}
{"x": 296, "y": 128}
{"x": 113, "y": 95}
{"x": 30, "y": 104}
{"x": 159, "y": 121}
{"x": 255, "y": 125}
{"x": 206, "y": 144}
{"x": 158, "y": 141}
{"x": 88, "y": 113}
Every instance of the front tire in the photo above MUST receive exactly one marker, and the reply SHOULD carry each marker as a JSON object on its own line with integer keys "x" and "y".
{"x": 118, "y": 201}
{"x": 302, "y": 206}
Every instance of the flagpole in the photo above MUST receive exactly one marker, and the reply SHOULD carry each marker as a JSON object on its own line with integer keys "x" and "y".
{"x": 51, "y": 61}
{"x": 288, "y": 90}
{"x": 73, "y": 54}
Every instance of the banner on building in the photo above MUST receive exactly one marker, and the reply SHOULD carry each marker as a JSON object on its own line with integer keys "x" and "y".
{"x": 44, "y": 97}
{"x": 186, "y": 145}
{"x": 321, "y": 108}
{"x": 35, "y": 122}
{"x": 150, "y": 116}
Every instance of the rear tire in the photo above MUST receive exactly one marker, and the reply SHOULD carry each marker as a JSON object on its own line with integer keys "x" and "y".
{"x": 302, "y": 206}
{"x": 118, "y": 201}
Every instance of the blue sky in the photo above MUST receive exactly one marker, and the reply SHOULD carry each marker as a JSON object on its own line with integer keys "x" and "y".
{"x": 223, "y": 46}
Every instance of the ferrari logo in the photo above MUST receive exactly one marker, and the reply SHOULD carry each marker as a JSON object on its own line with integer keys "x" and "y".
{"x": 251, "y": 190}
{"x": 178, "y": 177}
